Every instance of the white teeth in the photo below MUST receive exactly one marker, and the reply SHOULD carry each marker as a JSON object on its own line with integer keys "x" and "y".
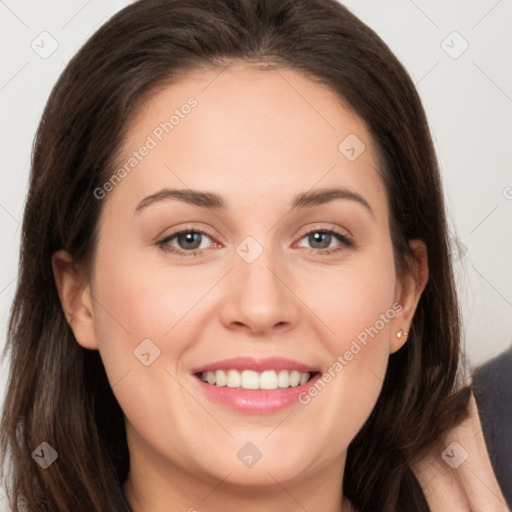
{"x": 294, "y": 378}
{"x": 249, "y": 379}
{"x": 304, "y": 377}
{"x": 234, "y": 379}
{"x": 220, "y": 378}
{"x": 283, "y": 379}
{"x": 268, "y": 380}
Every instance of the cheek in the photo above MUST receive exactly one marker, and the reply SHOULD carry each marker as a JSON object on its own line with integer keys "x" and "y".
{"x": 355, "y": 301}
{"x": 348, "y": 389}
{"x": 129, "y": 308}
{"x": 139, "y": 299}
{"x": 357, "y": 304}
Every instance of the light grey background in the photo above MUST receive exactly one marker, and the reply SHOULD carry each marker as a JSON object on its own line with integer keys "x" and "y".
{"x": 467, "y": 96}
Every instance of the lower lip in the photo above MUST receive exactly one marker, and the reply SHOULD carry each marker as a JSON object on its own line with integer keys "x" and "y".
{"x": 256, "y": 401}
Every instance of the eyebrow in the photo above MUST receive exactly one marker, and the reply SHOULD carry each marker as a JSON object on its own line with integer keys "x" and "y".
{"x": 213, "y": 201}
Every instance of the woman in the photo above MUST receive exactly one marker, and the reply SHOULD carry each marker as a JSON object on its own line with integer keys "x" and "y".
{"x": 306, "y": 356}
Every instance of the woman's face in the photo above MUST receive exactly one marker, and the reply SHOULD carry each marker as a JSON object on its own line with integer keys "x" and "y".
{"x": 264, "y": 281}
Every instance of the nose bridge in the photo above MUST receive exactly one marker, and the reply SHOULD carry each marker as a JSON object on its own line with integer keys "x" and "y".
{"x": 255, "y": 267}
{"x": 259, "y": 297}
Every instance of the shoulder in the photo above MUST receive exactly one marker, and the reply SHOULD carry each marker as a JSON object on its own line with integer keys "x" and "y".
{"x": 492, "y": 388}
{"x": 498, "y": 369}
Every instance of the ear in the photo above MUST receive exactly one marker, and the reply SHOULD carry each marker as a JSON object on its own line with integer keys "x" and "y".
{"x": 75, "y": 298}
{"x": 408, "y": 292}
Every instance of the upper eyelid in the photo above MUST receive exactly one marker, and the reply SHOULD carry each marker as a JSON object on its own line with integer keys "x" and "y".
{"x": 185, "y": 229}
{"x": 329, "y": 227}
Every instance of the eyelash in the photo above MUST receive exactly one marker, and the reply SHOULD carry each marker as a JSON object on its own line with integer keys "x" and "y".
{"x": 164, "y": 242}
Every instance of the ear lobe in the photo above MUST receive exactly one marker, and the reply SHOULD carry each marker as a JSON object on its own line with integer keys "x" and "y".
{"x": 75, "y": 298}
{"x": 408, "y": 294}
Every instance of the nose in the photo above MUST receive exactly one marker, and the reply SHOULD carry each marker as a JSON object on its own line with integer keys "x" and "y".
{"x": 260, "y": 297}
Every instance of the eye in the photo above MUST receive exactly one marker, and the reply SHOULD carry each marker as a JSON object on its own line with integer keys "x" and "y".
{"x": 187, "y": 242}
{"x": 326, "y": 241}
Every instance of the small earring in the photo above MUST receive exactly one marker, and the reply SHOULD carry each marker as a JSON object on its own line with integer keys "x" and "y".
{"x": 401, "y": 333}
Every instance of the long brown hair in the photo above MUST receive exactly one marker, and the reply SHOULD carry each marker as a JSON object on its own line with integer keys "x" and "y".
{"x": 58, "y": 392}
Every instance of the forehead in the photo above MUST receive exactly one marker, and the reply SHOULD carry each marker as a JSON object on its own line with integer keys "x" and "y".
{"x": 243, "y": 129}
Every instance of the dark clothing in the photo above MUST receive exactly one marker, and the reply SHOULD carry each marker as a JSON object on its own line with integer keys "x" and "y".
{"x": 492, "y": 387}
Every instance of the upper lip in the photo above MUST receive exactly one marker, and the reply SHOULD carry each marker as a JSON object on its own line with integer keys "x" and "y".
{"x": 257, "y": 365}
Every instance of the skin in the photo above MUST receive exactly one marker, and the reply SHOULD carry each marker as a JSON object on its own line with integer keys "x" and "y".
{"x": 257, "y": 138}
{"x": 469, "y": 484}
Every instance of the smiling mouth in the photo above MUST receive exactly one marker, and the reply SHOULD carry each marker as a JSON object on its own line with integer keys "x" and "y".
{"x": 252, "y": 380}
